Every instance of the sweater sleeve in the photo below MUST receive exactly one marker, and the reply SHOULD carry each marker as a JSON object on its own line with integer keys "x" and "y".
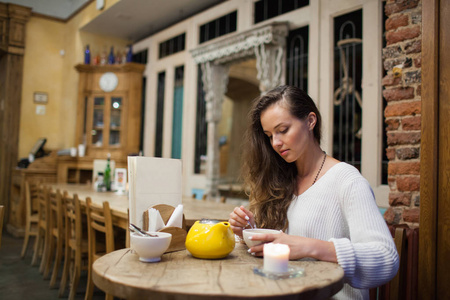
{"x": 369, "y": 257}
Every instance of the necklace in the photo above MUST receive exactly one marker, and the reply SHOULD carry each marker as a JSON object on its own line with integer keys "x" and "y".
{"x": 321, "y": 166}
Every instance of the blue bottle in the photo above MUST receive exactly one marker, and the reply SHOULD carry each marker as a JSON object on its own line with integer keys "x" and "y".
{"x": 130, "y": 54}
{"x": 87, "y": 55}
{"x": 111, "y": 56}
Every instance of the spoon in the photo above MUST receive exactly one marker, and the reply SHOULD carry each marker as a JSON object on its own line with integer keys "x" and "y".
{"x": 134, "y": 228}
{"x": 249, "y": 224}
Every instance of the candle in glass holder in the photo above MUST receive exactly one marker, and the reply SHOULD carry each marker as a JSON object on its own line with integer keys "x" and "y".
{"x": 276, "y": 258}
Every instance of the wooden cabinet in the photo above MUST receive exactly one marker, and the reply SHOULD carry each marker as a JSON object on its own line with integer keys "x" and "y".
{"x": 109, "y": 110}
{"x": 109, "y": 119}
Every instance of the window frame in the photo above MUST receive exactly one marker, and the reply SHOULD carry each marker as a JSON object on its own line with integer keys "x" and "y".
{"x": 372, "y": 115}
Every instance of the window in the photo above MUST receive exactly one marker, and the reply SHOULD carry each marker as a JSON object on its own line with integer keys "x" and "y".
{"x": 160, "y": 114}
{"x": 349, "y": 93}
{"x": 172, "y": 46}
{"x": 297, "y": 58}
{"x": 201, "y": 127}
{"x": 218, "y": 27}
{"x": 347, "y": 131}
{"x": 268, "y": 9}
{"x": 177, "y": 120}
{"x": 140, "y": 57}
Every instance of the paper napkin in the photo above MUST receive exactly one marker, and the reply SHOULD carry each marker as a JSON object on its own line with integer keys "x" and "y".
{"x": 155, "y": 221}
{"x": 176, "y": 219}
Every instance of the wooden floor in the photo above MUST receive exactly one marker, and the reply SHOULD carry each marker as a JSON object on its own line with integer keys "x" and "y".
{"x": 19, "y": 280}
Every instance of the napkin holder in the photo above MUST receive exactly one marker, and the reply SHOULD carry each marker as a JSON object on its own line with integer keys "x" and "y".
{"x": 178, "y": 234}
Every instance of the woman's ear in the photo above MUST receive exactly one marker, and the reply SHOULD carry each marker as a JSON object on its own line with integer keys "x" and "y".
{"x": 312, "y": 119}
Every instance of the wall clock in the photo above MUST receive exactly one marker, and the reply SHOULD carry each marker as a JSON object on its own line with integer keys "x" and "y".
{"x": 108, "y": 81}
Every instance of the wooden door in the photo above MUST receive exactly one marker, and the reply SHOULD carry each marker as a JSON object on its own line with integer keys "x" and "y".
{"x": 434, "y": 250}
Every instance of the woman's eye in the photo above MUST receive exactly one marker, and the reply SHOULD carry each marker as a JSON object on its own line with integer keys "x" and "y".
{"x": 284, "y": 130}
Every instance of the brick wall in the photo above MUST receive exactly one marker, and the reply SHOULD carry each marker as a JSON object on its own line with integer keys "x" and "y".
{"x": 403, "y": 111}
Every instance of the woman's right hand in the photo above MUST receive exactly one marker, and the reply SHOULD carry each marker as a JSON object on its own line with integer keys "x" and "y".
{"x": 239, "y": 219}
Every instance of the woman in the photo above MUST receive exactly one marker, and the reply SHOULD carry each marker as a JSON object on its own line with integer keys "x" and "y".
{"x": 325, "y": 207}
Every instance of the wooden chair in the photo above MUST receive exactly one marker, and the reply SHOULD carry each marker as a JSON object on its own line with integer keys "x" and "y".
{"x": 39, "y": 243}
{"x": 392, "y": 290}
{"x": 31, "y": 214}
{"x": 55, "y": 242}
{"x": 76, "y": 248}
{"x": 223, "y": 199}
{"x": 2, "y": 214}
{"x": 99, "y": 222}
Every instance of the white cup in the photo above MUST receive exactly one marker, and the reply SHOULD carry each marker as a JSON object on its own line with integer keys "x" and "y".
{"x": 81, "y": 150}
{"x": 73, "y": 151}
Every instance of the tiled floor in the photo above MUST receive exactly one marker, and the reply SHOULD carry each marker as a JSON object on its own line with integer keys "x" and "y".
{"x": 19, "y": 280}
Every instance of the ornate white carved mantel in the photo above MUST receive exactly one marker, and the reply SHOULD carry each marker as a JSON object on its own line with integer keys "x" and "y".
{"x": 266, "y": 43}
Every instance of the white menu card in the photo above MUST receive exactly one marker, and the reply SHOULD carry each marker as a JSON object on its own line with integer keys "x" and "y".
{"x": 152, "y": 181}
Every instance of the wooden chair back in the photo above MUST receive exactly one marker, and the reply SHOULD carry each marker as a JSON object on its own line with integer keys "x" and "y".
{"x": 31, "y": 196}
{"x": 57, "y": 235}
{"x": 99, "y": 223}
{"x": 43, "y": 219}
{"x": 73, "y": 220}
{"x": 2, "y": 215}
{"x": 31, "y": 213}
{"x": 76, "y": 251}
{"x": 392, "y": 290}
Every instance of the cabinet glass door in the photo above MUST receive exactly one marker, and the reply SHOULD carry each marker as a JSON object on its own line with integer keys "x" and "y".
{"x": 98, "y": 121}
{"x": 115, "y": 121}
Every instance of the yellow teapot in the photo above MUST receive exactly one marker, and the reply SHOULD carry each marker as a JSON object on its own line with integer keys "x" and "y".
{"x": 210, "y": 239}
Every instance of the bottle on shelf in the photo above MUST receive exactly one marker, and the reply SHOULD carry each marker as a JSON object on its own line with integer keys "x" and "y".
{"x": 103, "y": 57}
{"x": 87, "y": 55}
{"x": 130, "y": 54}
{"x": 118, "y": 58}
{"x": 96, "y": 59}
{"x": 123, "y": 57}
{"x": 111, "y": 56}
{"x": 107, "y": 173}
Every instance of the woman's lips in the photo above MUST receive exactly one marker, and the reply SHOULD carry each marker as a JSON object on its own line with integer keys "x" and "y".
{"x": 284, "y": 152}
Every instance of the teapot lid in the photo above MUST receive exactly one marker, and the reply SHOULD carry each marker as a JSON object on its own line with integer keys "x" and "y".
{"x": 208, "y": 221}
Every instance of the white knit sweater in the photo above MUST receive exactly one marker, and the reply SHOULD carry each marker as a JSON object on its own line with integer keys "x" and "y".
{"x": 340, "y": 207}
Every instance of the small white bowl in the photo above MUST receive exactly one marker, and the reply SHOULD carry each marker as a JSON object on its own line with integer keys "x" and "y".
{"x": 247, "y": 233}
{"x": 150, "y": 249}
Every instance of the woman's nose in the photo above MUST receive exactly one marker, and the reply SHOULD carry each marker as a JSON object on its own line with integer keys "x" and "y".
{"x": 276, "y": 142}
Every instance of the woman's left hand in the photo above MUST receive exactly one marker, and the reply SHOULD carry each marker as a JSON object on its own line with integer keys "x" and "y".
{"x": 300, "y": 246}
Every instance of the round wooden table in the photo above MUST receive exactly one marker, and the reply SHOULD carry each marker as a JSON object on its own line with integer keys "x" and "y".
{"x": 180, "y": 276}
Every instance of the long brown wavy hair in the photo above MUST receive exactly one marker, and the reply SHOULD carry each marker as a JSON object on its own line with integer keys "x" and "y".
{"x": 270, "y": 179}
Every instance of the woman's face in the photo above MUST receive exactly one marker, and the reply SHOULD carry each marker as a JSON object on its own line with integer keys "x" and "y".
{"x": 290, "y": 137}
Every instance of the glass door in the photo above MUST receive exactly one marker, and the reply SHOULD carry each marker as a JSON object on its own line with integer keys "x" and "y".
{"x": 98, "y": 123}
{"x": 115, "y": 121}
{"x": 105, "y": 121}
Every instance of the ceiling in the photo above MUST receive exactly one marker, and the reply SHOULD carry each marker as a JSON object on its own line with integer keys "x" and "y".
{"x": 127, "y": 19}
{"x": 61, "y": 9}
{"x": 137, "y": 19}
